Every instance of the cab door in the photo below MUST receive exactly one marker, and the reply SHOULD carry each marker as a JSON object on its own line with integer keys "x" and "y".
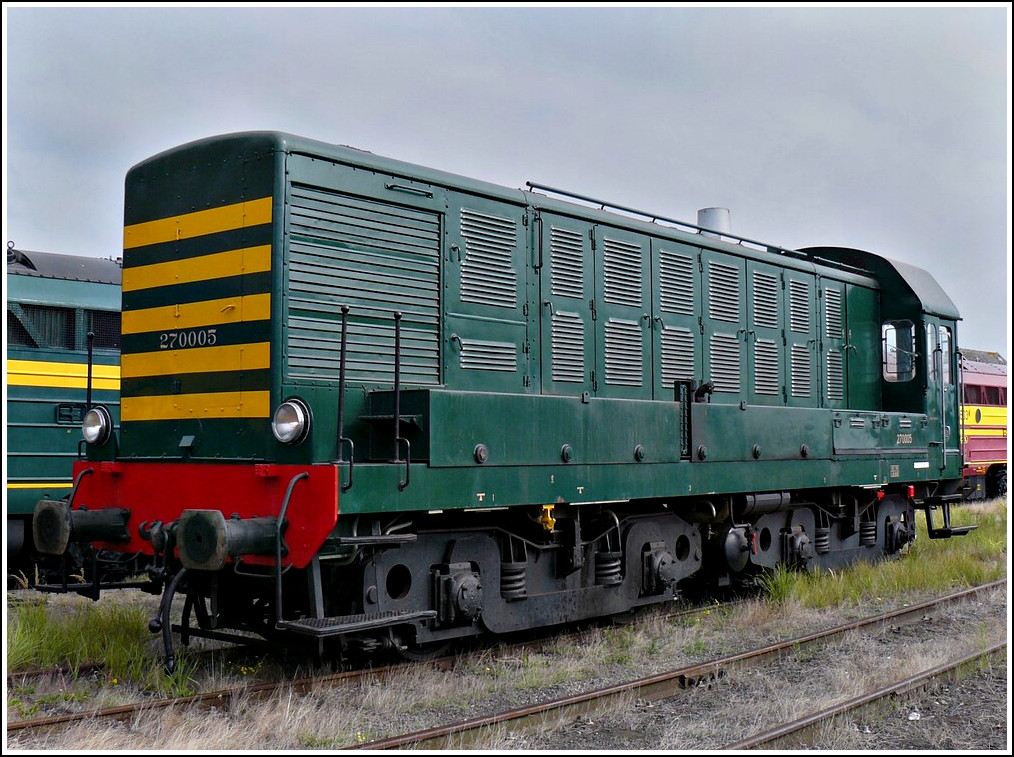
{"x": 942, "y": 394}
{"x": 861, "y": 350}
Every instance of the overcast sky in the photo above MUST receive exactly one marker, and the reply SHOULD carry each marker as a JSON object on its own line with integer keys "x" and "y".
{"x": 885, "y": 129}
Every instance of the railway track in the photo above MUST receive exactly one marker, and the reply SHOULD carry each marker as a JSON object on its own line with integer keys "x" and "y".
{"x": 796, "y": 732}
{"x": 221, "y": 698}
{"x": 470, "y": 733}
{"x": 463, "y": 733}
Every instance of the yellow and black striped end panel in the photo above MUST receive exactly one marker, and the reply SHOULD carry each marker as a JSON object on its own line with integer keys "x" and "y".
{"x": 61, "y": 375}
{"x": 197, "y": 315}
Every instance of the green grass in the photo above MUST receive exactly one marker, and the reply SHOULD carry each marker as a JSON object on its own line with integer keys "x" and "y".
{"x": 113, "y": 634}
{"x": 620, "y": 644}
{"x": 928, "y": 565}
{"x": 313, "y": 741}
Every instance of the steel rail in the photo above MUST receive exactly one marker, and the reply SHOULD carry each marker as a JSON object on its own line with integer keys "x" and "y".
{"x": 660, "y": 686}
{"x": 795, "y": 728}
{"x": 221, "y": 697}
{"x": 667, "y": 682}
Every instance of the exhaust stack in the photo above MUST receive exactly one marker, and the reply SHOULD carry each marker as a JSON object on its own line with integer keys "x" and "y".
{"x": 718, "y": 221}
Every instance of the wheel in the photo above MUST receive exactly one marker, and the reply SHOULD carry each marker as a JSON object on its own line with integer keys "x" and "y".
{"x": 996, "y": 483}
{"x": 629, "y": 617}
{"x": 425, "y": 652}
{"x": 418, "y": 652}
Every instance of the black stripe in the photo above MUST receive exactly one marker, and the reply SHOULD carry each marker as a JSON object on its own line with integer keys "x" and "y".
{"x": 245, "y": 332}
{"x": 220, "y": 440}
{"x": 224, "y": 241}
{"x": 196, "y": 383}
{"x": 213, "y": 172}
{"x": 198, "y": 291}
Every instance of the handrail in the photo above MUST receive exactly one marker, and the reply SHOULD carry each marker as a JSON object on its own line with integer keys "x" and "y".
{"x": 655, "y": 217}
{"x": 398, "y": 439}
{"x": 278, "y": 545}
{"x": 341, "y": 403}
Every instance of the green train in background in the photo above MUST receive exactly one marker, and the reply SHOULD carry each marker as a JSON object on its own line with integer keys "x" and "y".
{"x": 53, "y": 302}
{"x": 370, "y": 405}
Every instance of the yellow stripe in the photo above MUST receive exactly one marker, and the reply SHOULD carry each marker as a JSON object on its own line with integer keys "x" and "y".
{"x": 204, "y": 406}
{"x": 199, "y": 223}
{"x": 203, "y": 268}
{"x": 66, "y": 485}
{"x": 993, "y": 423}
{"x": 61, "y": 369}
{"x": 190, "y": 315}
{"x": 232, "y": 357}
{"x": 61, "y": 375}
{"x": 56, "y": 382}
{"x": 991, "y": 415}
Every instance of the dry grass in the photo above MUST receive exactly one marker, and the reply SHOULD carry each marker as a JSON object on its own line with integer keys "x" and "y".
{"x": 806, "y": 682}
{"x": 706, "y": 717}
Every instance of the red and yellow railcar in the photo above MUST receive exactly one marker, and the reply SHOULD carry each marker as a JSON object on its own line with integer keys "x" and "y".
{"x": 984, "y": 423}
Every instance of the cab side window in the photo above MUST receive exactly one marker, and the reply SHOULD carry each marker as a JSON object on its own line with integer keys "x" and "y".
{"x": 898, "y": 338}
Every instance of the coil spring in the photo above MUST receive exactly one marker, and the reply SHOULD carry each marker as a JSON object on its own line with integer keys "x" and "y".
{"x": 868, "y": 533}
{"x": 513, "y": 577}
{"x": 608, "y": 568}
{"x": 822, "y": 540}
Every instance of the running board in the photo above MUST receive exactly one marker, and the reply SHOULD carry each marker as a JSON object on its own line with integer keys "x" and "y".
{"x": 342, "y": 624}
{"x": 947, "y": 530}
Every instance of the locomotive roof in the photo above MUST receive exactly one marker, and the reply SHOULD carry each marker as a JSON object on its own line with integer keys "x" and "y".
{"x": 919, "y": 284}
{"x": 871, "y": 267}
{"x": 50, "y": 265}
{"x": 589, "y": 208}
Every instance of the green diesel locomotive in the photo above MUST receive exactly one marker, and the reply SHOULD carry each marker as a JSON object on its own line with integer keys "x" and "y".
{"x": 54, "y": 302}
{"x": 367, "y": 404}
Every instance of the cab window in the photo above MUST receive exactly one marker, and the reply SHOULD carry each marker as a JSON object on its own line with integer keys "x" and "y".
{"x": 898, "y": 339}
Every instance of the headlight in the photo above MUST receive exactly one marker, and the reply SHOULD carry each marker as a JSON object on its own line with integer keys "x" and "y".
{"x": 97, "y": 425}
{"x": 291, "y": 422}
